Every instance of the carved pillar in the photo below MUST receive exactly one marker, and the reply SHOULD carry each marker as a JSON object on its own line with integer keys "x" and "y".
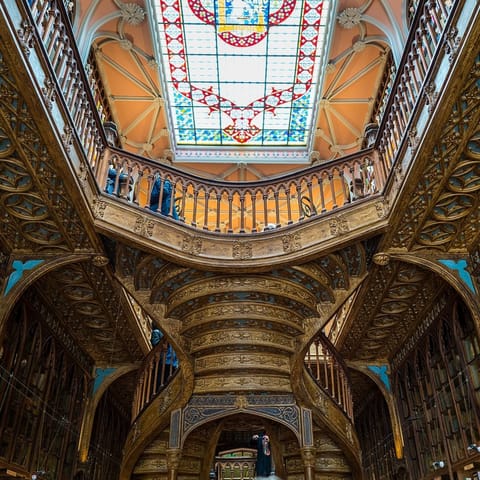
{"x": 173, "y": 461}
{"x": 308, "y": 457}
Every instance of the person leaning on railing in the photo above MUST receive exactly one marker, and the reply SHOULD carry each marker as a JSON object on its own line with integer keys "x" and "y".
{"x": 167, "y": 196}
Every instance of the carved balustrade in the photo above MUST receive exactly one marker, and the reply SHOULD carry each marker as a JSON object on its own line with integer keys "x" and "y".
{"x": 52, "y": 23}
{"x": 423, "y": 45}
{"x": 241, "y": 207}
{"x": 158, "y": 368}
{"x": 330, "y": 373}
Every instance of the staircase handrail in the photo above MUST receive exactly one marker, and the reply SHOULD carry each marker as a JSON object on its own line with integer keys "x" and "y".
{"x": 330, "y": 372}
{"x": 157, "y": 370}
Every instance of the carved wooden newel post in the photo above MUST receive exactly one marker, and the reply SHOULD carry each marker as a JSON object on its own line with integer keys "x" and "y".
{"x": 173, "y": 461}
{"x": 308, "y": 457}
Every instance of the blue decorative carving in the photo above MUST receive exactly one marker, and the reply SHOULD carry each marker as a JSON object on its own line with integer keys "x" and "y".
{"x": 460, "y": 266}
{"x": 100, "y": 375}
{"x": 381, "y": 371}
{"x": 18, "y": 268}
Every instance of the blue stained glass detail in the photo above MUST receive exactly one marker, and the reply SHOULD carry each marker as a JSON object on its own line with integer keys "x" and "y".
{"x": 242, "y": 72}
{"x": 241, "y": 12}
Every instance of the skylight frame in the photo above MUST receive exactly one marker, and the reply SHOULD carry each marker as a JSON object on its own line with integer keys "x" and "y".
{"x": 255, "y": 149}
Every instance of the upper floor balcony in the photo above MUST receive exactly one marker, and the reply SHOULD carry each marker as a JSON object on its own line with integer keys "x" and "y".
{"x": 404, "y": 105}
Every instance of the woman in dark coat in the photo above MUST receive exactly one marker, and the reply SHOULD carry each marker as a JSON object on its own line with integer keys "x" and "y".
{"x": 263, "y": 466}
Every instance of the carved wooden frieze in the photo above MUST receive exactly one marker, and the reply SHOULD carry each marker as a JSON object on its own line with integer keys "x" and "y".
{"x": 243, "y": 325}
{"x": 246, "y": 337}
{"x": 242, "y": 283}
{"x": 242, "y": 360}
{"x": 232, "y": 382}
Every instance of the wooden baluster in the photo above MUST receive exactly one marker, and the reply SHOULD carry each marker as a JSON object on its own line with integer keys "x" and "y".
{"x": 60, "y": 69}
{"x": 74, "y": 106}
{"x": 317, "y": 362}
{"x": 277, "y": 208}
{"x": 421, "y": 56}
{"x": 322, "y": 194}
{"x": 230, "y": 212}
{"x": 332, "y": 375}
{"x": 48, "y": 21}
{"x": 217, "y": 222}
{"x": 67, "y": 80}
{"x": 156, "y": 372}
{"x": 402, "y": 115}
{"x": 242, "y": 213}
{"x": 410, "y": 89}
{"x": 332, "y": 190}
{"x": 195, "y": 206}
{"x": 60, "y": 47}
{"x": 56, "y": 27}
{"x": 142, "y": 395}
{"x": 298, "y": 190}
{"x": 346, "y": 196}
{"x": 325, "y": 368}
{"x": 265, "y": 209}
{"x": 338, "y": 393}
{"x": 41, "y": 17}
{"x": 163, "y": 358}
{"x": 426, "y": 39}
{"x": 311, "y": 198}
{"x": 254, "y": 211}
{"x": 413, "y": 74}
{"x": 289, "y": 206}
{"x": 205, "y": 216}
{"x": 184, "y": 201}
{"x": 442, "y": 16}
{"x": 150, "y": 385}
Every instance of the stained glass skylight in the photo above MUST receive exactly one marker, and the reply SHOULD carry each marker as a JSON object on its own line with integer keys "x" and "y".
{"x": 241, "y": 77}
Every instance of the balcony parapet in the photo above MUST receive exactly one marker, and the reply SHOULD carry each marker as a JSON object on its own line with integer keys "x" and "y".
{"x": 424, "y": 68}
{"x": 241, "y": 207}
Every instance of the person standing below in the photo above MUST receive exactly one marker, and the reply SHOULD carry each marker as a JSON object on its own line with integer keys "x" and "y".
{"x": 263, "y": 465}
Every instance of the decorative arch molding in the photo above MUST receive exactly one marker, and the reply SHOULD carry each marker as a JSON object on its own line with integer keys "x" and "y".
{"x": 453, "y": 269}
{"x": 380, "y": 375}
{"x": 203, "y": 409}
{"x": 104, "y": 377}
{"x": 24, "y": 271}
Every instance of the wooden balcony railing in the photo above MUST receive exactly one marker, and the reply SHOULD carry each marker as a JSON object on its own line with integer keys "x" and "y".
{"x": 330, "y": 373}
{"x": 224, "y": 207}
{"x": 158, "y": 368}
{"x": 423, "y": 45}
{"x": 246, "y": 207}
